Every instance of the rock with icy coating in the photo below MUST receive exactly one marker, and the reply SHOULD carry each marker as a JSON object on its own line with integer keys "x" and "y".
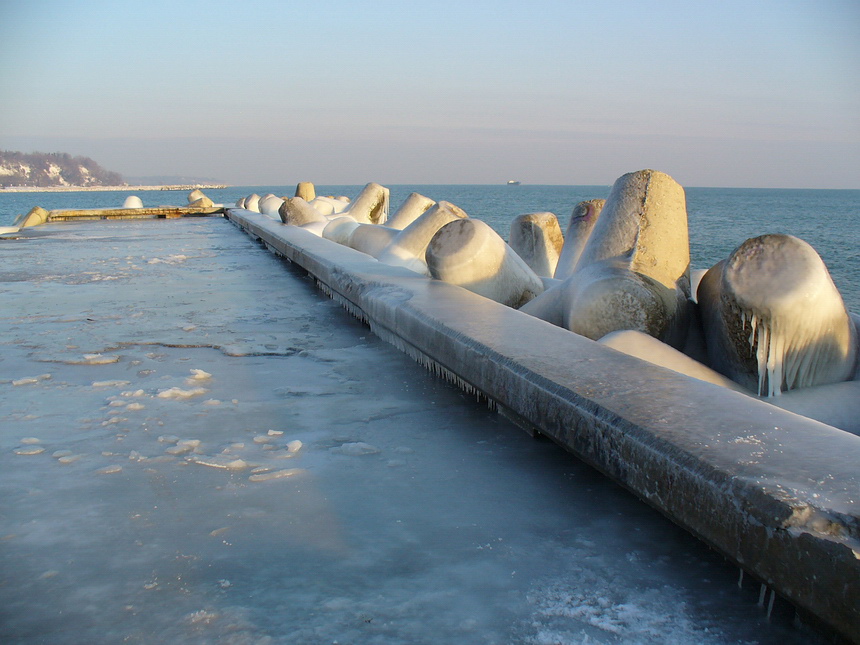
{"x": 371, "y": 238}
{"x": 297, "y": 211}
{"x": 269, "y": 205}
{"x": 371, "y": 205}
{"x": 409, "y": 246}
{"x": 411, "y": 209}
{"x": 132, "y": 201}
{"x": 634, "y": 270}
{"x": 537, "y": 239}
{"x": 252, "y": 202}
{"x": 582, "y": 221}
{"x": 339, "y": 229}
{"x": 36, "y": 216}
{"x": 469, "y": 253}
{"x": 773, "y": 319}
{"x": 203, "y": 202}
{"x": 194, "y": 195}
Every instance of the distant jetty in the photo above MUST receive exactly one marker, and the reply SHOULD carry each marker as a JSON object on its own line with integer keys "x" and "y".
{"x": 76, "y": 189}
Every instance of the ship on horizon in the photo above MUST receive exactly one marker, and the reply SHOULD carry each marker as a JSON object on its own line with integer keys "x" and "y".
{"x": 513, "y": 182}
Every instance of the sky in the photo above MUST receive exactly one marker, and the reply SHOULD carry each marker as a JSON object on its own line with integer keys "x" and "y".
{"x": 734, "y": 93}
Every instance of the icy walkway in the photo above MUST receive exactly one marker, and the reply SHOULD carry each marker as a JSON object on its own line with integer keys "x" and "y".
{"x": 338, "y": 492}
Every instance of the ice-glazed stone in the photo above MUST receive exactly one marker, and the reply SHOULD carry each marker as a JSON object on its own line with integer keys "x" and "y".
{"x": 132, "y": 201}
{"x": 411, "y": 209}
{"x": 306, "y": 190}
{"x": 371, "y": 238}
{"x": 194, "y": 195}
{"x": 240, "y": 203}
{"x": 316, "y": 228}
{"x": 252, "y": 202}
{"x": 339, "y": 229}
{"x": 582, "y": 221}
{"x": 469, "y": 253}
{"x": 371, "y": 205}
{"x": 203, "y": 202}
{"x": 329, "y": 205}
{"x": 641, "y": 246}
{"x": 773, "y": 319}
{"x": 36, "y": 216}
{"x": 537, "y": 239}
{"x": 409, "y": 247}
{"x": 297, "y": 211}
{"x": 270, "y": 205}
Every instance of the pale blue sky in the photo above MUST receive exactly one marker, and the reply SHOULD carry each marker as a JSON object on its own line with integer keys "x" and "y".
{"x": 259, "y": 92}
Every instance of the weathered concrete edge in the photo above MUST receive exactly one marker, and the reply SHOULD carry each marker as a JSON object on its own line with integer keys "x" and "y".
{"x": 776, "y": 493}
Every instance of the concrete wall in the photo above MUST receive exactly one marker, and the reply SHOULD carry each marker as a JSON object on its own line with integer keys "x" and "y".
{"x": 777, "y": 493}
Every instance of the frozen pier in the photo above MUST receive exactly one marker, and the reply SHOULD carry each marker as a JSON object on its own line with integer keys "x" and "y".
{"x": 776, "y": 493}
{"x": 197, "y": 446}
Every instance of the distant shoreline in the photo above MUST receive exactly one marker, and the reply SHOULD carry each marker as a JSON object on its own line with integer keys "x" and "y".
{"x": 82, "y": 189}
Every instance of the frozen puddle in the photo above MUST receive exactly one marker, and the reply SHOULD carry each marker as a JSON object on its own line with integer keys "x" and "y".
{"x": 156, "y": 487}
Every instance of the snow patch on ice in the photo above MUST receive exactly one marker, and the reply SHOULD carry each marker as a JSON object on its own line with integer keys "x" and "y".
{"x": 170, "y": 259}
{"x": 30, "y": 380}
{"x": 179, "y": 393}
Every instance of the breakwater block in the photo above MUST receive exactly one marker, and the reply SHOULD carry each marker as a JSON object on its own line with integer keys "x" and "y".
{"x": 775, "y": 492}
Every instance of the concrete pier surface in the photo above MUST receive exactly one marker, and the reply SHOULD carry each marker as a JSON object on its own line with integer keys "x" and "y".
{"x": 196, "y": 445}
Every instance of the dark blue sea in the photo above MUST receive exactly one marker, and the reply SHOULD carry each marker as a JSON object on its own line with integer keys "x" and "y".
{"x": 720, "y": 218}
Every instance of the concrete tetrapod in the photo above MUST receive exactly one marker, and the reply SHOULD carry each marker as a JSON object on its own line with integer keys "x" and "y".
{"x": 306, "y": 190}
{"x": 339, "y": 229}
{"x": 297, "y": 211}
{"x": 270, "y": 204}
{"x": 774, "y": 320}
{"x": 371, "y": 238}
{"x": 371, "y": 205}
{"x": 634, "y": 270}
{"x": 582, "y": 221}
{"x": 469, "y": 253}
{"x": 537, "y": 239}
{"x": 411, "y": 209}
{"x": 409, "y": 246}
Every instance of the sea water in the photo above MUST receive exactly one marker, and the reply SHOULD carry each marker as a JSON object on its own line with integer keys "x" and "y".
{"x": 720, "y": 219}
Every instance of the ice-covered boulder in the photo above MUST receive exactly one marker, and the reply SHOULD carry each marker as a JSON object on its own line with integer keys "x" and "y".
{"x": 371, "y": 205}
{"x": 469, "y": 253}
{"x": 132, "y": 201}
{"x": 773, "y": 319}
{"x": 194, "y": 195}
{"x": 252, "y": 202}
{"x": 203, "y": 202}
{"x": 339, "y": 229}
{"x": 634, "y": 270}
{"x": 409, "y": 246}
{"x": 296, "y": 211}
{"x": 270, "y": 205}
{"x": 371, "y": 238}
{"x": 537, "y": 239}
{"x": 411, "y": 209}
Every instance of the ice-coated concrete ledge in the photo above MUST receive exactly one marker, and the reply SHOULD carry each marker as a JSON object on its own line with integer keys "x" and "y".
{"x": 777, "y": 493}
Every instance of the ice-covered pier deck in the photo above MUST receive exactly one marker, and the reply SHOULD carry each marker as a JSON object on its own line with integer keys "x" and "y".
{"x": 777, "y": 493}
{"x": 196, "y": 447}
